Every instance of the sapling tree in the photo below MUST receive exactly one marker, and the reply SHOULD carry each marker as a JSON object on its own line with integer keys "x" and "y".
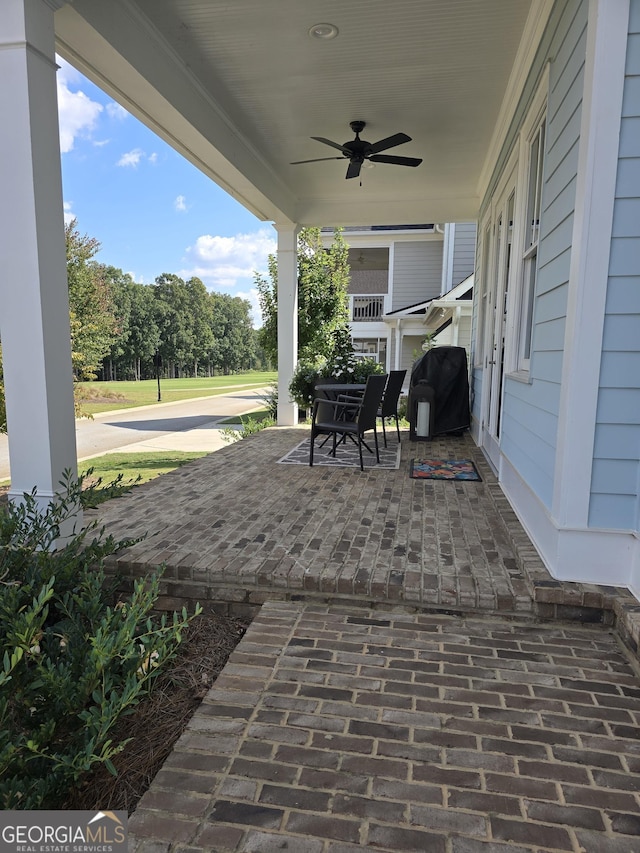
{"x": 323, "y": 300}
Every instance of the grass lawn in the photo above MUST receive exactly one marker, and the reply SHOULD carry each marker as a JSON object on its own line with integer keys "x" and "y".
{"x": 135, "y": 468}
{"x": 108, "y": 396}
{"x": 258, "y": 416}
{"x": 133, "y": 465}
{"x": 114, "y": 474}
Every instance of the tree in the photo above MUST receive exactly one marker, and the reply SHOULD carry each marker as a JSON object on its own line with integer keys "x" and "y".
{"x": 91, "y": 308}
{"x": 323, "y": 301}
{"x": 175, "y": 323}
{"x": 138, "y": 336}
{"x": 234, "y": 336}
{"x": 201, "y": 309}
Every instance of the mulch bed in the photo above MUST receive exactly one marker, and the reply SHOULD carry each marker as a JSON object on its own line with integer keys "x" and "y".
{"x": 159, "y": 720}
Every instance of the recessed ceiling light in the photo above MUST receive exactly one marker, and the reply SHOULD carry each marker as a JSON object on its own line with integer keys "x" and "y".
{"x": 323, "y": 31}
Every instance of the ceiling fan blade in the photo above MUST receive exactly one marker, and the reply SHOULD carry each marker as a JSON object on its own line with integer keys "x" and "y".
{"x": 354, "y": 169}
{"x": 390, "y": 142}
{"x": 344, "y": 150}
{"x": 398, "y": 161}
{"x": 316, "y": 160}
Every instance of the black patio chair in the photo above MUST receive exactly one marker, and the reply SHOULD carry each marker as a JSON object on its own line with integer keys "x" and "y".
{"x": 389, "y": 406}
{"x": 362, "y": 417}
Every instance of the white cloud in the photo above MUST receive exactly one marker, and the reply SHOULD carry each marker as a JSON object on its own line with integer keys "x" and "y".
{"x": 77, "y": 113}
{"x": 68, "y": 213}
{"x": 180, "y": 203}
{"x": 227, "y": 264}
{"x": 252, "y": 297}
{"x": 134, "y": 157}
{"x": 131, "y": 158}
{"x": 115, "y": 111}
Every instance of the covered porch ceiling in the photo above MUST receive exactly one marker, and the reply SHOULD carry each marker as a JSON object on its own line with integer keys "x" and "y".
{"x": 240, "y": 87}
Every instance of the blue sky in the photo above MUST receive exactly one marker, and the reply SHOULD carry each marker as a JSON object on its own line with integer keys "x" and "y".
{"x": 151, "y": 210}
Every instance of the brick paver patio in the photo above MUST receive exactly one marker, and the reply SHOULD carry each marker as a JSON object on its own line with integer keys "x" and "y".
{"x": 236, "y": 527}
{"x": 414, "y": 681}
{"x": 331, "y": 731}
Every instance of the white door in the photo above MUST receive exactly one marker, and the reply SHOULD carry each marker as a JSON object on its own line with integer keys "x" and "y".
{"x": 499, "y": 271}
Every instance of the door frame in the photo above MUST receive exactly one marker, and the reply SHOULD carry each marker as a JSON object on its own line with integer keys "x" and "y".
{"x": 500, "y": 270}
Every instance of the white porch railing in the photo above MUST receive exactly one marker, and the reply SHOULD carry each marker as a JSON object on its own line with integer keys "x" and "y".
{"x": 367, "y": 308}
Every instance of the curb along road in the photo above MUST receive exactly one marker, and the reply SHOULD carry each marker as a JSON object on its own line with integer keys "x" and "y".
{"x": 193, "y": 424}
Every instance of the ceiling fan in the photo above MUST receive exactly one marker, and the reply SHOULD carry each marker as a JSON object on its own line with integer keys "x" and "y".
{"x": 358, "y": 150}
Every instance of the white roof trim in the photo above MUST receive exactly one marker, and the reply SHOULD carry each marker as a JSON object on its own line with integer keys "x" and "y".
{"x": 449, "y": 299}
{"x": 534, "y": 29}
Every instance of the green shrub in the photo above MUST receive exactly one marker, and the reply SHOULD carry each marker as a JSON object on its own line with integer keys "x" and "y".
{"x": 270, "y": 399}
{"x": 305, "y": 376}
{"x": 94, "y": 491}
{"x": 70, "y": 663}
{"x": 249, "y": 427}
{"x": 341, "y": 368}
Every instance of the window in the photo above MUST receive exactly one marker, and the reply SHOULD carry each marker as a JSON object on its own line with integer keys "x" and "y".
{"x": 370, "y": 348}
{"x": 535, "y": 158}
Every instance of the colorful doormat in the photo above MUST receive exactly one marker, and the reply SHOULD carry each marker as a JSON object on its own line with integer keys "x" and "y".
{"x": 346, "y": 457}
{"x": 443, "y": 469}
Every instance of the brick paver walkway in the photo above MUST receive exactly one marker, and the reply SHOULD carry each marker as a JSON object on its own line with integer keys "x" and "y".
{"x": 398, "y": 691}
{"x": 334, "y": 731}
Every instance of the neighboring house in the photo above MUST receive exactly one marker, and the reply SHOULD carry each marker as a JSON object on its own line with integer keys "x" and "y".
{"x": 526, "y": 116}
{"x": 402, "y": 279}
{"x": 441, "y": 321}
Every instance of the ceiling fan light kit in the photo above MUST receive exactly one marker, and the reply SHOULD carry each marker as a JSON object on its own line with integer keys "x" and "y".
{"x": 357, "y": 151}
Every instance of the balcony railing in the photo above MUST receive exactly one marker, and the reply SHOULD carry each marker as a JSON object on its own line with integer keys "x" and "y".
{"x": 367, "y": 308}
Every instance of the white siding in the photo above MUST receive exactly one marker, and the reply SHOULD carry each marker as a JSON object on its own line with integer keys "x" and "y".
{"x": 616, "y": 469}
{"x": 417, "y": 272}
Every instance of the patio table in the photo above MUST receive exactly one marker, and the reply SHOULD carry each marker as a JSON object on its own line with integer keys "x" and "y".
{"x": 331, "y": 390}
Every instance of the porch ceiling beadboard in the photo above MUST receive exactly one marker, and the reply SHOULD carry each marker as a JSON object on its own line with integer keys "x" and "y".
{"x": 240, "y": 88}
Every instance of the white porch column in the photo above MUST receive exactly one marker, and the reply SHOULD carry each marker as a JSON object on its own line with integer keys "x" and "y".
{"x": 447, "y": 257}
{"x": 398, "y": 353}
{"x": 455, "y": 326}
{"x": 287, "y": 320}
{"x": 34, "y": 317}
{"x": 591, "y": 243}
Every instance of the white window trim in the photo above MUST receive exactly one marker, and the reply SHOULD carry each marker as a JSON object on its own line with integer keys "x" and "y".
{"x": 480, "y": 337}
{"x": 517, "y": 367}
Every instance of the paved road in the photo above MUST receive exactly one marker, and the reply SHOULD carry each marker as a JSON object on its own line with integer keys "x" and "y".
{"x": 187, "y": 425}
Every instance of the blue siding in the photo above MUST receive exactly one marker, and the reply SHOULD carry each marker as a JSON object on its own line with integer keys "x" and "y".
{"x": 530, "y": 410}
{"x": 538, "y": 425}
{"x": 616, "y": 441}
{"x": 616, "y": 469}
{"x": 533, "y": 454}
{"x": 608, "y": 509}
